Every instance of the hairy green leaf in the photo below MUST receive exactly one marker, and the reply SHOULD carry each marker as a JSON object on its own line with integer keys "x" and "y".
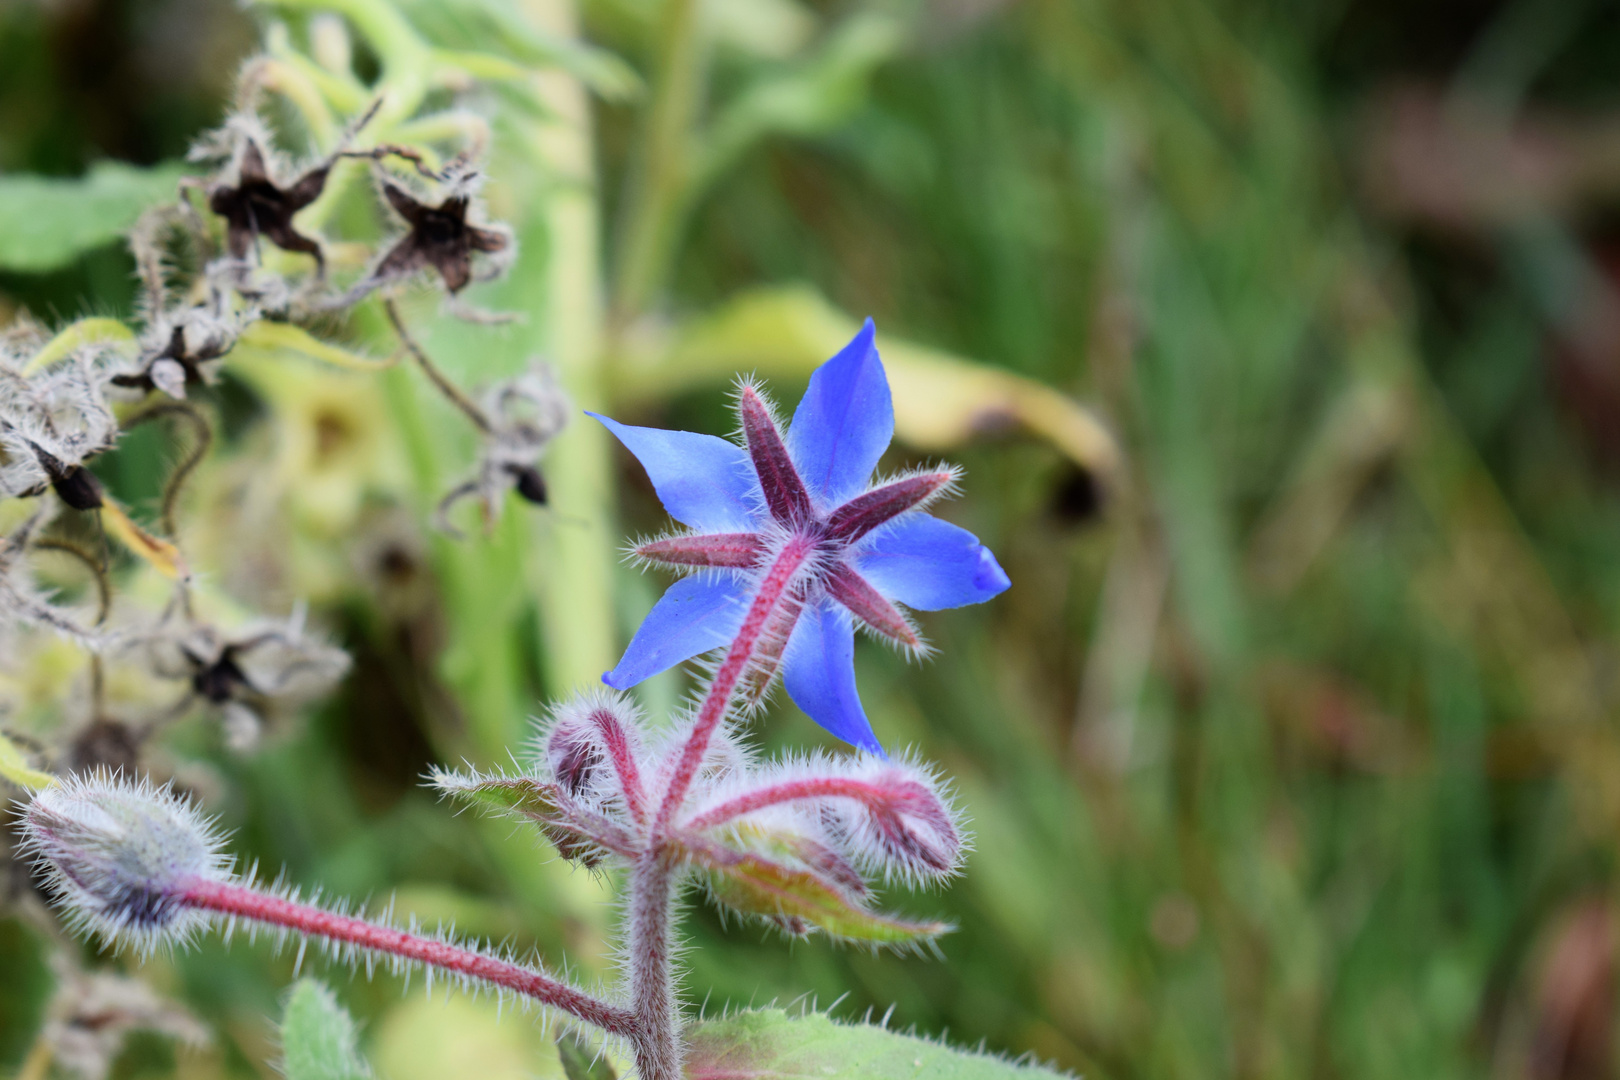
{"x": 317, "y": 1037}
{"x": 769, "y": 1043}
{"x": 47, "y": 222}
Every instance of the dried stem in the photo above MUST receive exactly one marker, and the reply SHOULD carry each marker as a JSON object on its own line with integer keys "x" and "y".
{"x": 252, "y": 905}
{"x": 203, "y": 433}
{"x": 439, "y": 380}
{"x": 98, "y": 574}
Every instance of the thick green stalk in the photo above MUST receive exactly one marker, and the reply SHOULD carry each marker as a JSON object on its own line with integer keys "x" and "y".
{"x": 580, "y": 544}
{"x": 662, "y": 173}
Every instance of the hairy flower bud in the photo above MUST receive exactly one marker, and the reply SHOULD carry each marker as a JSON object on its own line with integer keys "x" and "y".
{"x": 906, "y": 829}
{"x": 575, "y": 756}
{"x": 592, "y": 748}
{"x": 119, "y": 856}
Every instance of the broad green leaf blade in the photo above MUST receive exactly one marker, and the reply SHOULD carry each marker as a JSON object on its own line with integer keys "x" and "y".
{"x": 799, "y": 900}
{"x": 47, "y": 222}
{"x": 317, "y": 1037}
{"x": 769, "y": 1043}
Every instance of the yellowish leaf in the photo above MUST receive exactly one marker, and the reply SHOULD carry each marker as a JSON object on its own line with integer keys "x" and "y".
{"x": 940, "y": 400}
{"x": 96, "y": 331}
{"x": 14, "y": 767}
{"x": 285, "y": 337}
{"x": 164, "y": 556}
{"x": 777, "y": 887}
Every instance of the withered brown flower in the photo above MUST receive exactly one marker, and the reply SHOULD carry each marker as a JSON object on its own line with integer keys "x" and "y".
{"x": 256, "y": 205}
{"x": 440, "y": 237}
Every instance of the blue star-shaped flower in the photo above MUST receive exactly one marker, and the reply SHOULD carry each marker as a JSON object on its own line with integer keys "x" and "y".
{"x": 875, "y": 549}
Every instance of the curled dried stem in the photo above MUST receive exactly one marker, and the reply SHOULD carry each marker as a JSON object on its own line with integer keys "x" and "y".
{"x": 440, "y": 381}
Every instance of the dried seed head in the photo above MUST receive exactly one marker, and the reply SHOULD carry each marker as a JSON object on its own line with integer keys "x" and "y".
{"x": 119, "y": 855}
{"x": 524, "y": 414}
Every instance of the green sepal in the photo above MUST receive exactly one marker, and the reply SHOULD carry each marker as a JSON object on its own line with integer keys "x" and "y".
{"x": 579, "y": 1060}
{"x": 519, "y": 795}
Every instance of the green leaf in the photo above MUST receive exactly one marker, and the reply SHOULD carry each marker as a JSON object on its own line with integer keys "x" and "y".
{"x": 769, "y": 1043}
{"x": 810, "y": 99}
{"x": 317, "y": 1037}
{"x": 47, "y": 222}
{"x": 579, "y": 1060}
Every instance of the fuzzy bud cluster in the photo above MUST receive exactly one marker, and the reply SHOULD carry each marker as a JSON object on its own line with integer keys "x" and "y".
{"x": 120, "y": 855}
{"x": 792, "y": 843}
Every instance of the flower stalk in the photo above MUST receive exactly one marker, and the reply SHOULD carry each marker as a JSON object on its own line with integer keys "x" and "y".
{"x": 251, "y": 905}
{"x": 774, "y": 590}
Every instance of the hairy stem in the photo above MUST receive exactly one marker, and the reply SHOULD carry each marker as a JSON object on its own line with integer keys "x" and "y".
{"x": 250, "y": 904}
{"x": 653, "y": 883}
{"x": 623, "y": 762}
{"x": 831, "y": 787}
{"x": 652, "y": 966}
{"x": 774, "y": 589}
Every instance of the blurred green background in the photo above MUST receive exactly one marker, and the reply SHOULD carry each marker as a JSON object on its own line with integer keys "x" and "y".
{"x": 1293, "y": 750}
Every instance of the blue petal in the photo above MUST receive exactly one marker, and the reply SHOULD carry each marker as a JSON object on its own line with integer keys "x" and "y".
{"x": 703, "y": 481}
{"x": 844, "y": 423}
{"x": 928, "y": 564}
{"x": 818, "y": 670}
{"x": 696, "y": 614}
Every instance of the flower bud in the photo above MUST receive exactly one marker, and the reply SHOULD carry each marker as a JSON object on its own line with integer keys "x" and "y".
{"x": 119, "y": 856}
{"x": 575, "y": 757}
{"x": 908, "y": 831}
{"x": 592, "y": 748}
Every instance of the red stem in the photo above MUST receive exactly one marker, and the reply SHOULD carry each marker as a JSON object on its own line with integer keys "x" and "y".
{"x": 652, "y": 966}
{"x": 775, "y": 585}
{"x": 246, "y": 903}
{"x": 820, "y": 788}
{"x": 624, "y": 762}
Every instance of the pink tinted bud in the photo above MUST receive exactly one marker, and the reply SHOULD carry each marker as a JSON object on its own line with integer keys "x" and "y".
{"x": 575, "y": 757}
{"x": 907, "y": 830}
{"x": 593, "y": 750}
{"x": 119, "y": 856}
